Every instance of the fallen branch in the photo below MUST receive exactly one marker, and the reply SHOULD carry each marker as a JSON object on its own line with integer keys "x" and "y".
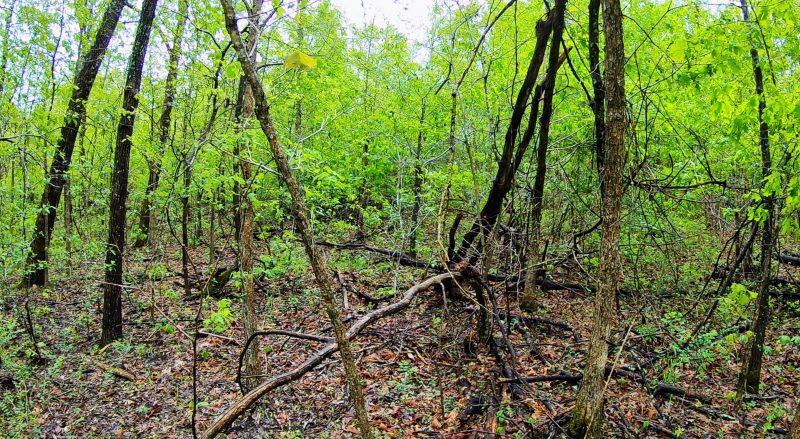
{"x": 221, "y": 337}
{"x": 232, "y": 413}
{"x": 347, "y": 287}
{"x": 661, "y": 389}
{"x": 788, "y": 258}
{"x": 300, "y": 335}
{"x": 399, "y": 257}
{"x": 122, "y": 373}
{"x": 667, "y": 389}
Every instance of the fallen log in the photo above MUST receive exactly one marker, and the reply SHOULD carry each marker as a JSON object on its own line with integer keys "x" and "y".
{"x": 661, "y": 389}
{"x": 788, "y": 258}
{"x": 667, "y": 389}
{"x": 232, "y": 413}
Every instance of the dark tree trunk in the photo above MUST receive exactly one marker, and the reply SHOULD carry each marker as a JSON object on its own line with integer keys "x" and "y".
{"x": 532, "y": 255}
{"x": 750, "y": 374}
{"x": 507, "y": 167}
{"x": 112, "y": 295}
{"x": 36, "y": 262}
{"x": 598, "y": 104}
{"x": 587, "y": 420}
{"x": 154, "y": 163}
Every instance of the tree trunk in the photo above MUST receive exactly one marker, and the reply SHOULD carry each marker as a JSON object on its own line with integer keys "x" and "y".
{"x": 507, "y": 167}
{"x": 252, "y": 366}
{"x": 598, "y": 103}
{"x": 68, "y": 220}
{"x": 146, "y": 216}
{"x": 418, "y": 177}
{"x": 750, "y": 374}
{"x": 316, "y": 259}
{"x": 112, "y": 295}
{"x": 187, "y": 185}
{"x": 532, "y": 255}
{"x": 36, "y": 262}
{"x": 4, "y": 55}
{"x": 794, "y": 431}
{"x": 587, "y": 418}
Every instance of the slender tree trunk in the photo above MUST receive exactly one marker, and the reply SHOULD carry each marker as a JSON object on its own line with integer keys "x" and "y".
{"x": 146, "y": 215}
{"x": 68, "y": 220}
{"x": 418, "y": 177}
{"x": 36, "y": 262}
{"x": 316, "y": 259}
{"x": 532, "y": 254}
{"x": 598, "y": 103}
{"x": 587, "y": 418}
{"x": 750, "y": 374}
{"x": 252, "y": 365}
{"x": 298, "y": 119}
{"x": 6, "y": 38}
{"x": 187, "y": 185}
{"x": 112, "y": 295}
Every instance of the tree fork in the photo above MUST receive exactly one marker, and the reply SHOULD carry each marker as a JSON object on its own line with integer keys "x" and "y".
{"x": 532, "y": 273}
{"x": 506, "y": 168}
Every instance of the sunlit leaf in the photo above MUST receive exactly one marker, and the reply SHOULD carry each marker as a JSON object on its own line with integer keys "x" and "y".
{"x": 300, "y": 60}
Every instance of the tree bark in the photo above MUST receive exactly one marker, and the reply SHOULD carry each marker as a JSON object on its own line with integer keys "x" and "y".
{"x": 316, "y": 259}
{"x": 587, "y": 419}
{"x": 112, "y": 295}
{"x": 146, "y": 216}
{"x": 36, "y": 262}
{"x": 794, "y": 430}
{"x": 750, "y": 374}
{"x": 533, "y": 258}
{"x": 252, "y": 366}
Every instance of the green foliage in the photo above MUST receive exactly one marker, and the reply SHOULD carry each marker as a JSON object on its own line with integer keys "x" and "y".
{"x": 221, "y": 319}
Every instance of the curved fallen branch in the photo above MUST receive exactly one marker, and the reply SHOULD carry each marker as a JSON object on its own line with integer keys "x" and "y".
{"x": 293, "y": 334}
{"x": 232, "y": 413}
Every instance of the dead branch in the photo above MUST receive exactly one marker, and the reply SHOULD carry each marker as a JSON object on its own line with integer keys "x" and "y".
{"x": 399, "y": 257}
{"x": 221, "y": 337}
{"x": 233, "y": 412}
{"x": 667, "y": 389}
{"x": 122, "y": 373}
{"x": 787, "y": 258}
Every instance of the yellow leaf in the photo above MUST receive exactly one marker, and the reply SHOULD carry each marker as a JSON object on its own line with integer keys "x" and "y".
{"x": 299, "y": 60}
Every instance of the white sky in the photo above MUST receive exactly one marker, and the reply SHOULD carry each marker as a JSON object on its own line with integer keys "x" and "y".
{"x": 410, "y": 17}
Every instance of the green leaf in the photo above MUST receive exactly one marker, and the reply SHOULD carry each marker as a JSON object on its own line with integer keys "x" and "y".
{"x": 300, "y": 60}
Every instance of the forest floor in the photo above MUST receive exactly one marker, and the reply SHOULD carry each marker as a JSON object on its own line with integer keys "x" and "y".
{"x": 424, "y": 378}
